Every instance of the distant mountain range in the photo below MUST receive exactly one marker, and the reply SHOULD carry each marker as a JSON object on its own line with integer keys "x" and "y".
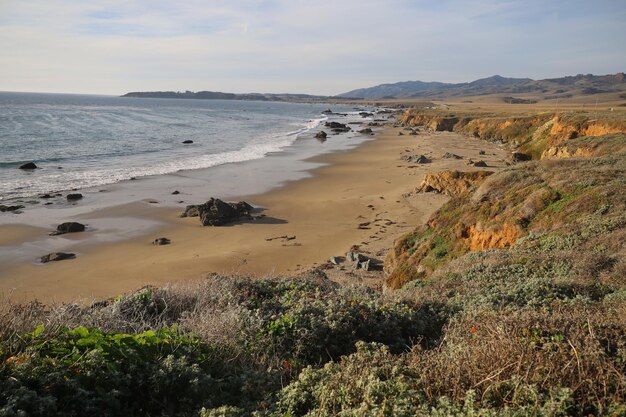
{"x": 579, "y": 84}
{"x": 552, "y": 88}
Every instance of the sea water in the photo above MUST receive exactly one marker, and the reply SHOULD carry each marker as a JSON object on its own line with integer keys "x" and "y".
{"x": 81, "y": 141}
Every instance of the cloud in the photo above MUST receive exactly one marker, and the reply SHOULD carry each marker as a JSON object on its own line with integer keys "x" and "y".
{"x": 322, "y": 47}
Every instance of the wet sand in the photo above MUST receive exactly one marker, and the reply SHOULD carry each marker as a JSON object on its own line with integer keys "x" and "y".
{"x": 320, "y": 217}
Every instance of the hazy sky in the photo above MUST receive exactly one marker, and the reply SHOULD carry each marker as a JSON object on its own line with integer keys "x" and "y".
{"x": 316, "y": 47}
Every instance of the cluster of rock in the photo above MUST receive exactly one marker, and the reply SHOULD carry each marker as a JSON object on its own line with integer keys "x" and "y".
{"x": 216, "y": 212}
{"x": 14, "y": 209}
{"x": 416, "y": 159}
{"x": 337, "y": 127}
{"x": 358, "y": 261}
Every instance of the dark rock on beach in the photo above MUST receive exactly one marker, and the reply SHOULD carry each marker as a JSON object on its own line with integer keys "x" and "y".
{"x": 188, "y": 141}
{"x": 160, "y": 241}
{"x": 449, "y": 155}
{"x": 15, "y": 209}
{"x": 366, "y": 131}
{"x": 74, "y": 197}
{"x": 416, "y": 159}
{"x": 56, "y": 256}
{"x": 480, "y": 164}
{"x": 321, "y": 135}
{"x": 337, "y": 127}
{"x": 28, "y": 165}
{"x": 216, "y": 212}
{"x": 68, "y": 227}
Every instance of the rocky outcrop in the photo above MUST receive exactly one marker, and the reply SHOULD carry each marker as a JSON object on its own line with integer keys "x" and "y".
{"x": 551, "y": 198}
{"x": 451, "y": 183}
{"x": 481, "y": 237}
{"x": 531, "y": 135}
{"x": 366, "y": 131}
{"x": 216, "y": 212}
{"x": 337, "y": 127}
{"x": 321, "y": 135}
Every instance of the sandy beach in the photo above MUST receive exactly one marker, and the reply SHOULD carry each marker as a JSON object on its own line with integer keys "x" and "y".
{"x": 357, "y": 198}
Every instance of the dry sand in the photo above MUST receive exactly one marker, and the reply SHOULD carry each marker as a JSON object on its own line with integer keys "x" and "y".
{"x": 363, "y": 185}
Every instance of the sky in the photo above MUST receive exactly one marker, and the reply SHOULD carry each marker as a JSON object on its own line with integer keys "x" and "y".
{"x": 321, "y": 47}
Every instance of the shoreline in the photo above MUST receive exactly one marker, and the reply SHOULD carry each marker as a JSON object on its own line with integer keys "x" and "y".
{"x": 323, "y": 211}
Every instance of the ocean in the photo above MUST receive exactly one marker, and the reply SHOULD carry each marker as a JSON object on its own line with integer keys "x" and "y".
{"x": 81, "y": 141}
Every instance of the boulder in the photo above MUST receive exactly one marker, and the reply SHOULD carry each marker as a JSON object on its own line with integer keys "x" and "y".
{"x": 366, "y": 114}
{"x": 56, "y": 256}
{"x": 400, "y": 134}
{"x": 481, "y": 152}
{"x": 216, "y": 212}
{"x": 187, "y": 142}
{"x": 160, "y": 241}
{"x": 449, "y": 155}
{"x": 74, "y": 197}
{"x": 175, "y": 192}
{"x": 28, "y": 165}
{"x": 68, "y": 227}
{"x": 366, "y": 131}
{"x": 321, "y": 135}
{"x": 481, "y": 164}
{"x": 335, "y": 260}
{"x": 327, "y": 111}
{"x": 520, "y": 157}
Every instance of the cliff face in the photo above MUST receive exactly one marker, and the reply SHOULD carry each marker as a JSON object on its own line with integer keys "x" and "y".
{"x": 569, "y": 197}
{"x": 532, "y": 134}
{"x": 451, "y": 183}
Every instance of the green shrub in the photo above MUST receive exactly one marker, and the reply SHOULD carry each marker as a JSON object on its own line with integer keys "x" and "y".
{"x": 85, "y": 371}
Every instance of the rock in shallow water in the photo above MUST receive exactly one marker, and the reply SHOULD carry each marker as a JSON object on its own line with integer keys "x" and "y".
{"x": 74, "y": 197}
{"x": 28, "y": 165}
{"x": 15, "y": 209}
{"x": 56, "y": 256}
